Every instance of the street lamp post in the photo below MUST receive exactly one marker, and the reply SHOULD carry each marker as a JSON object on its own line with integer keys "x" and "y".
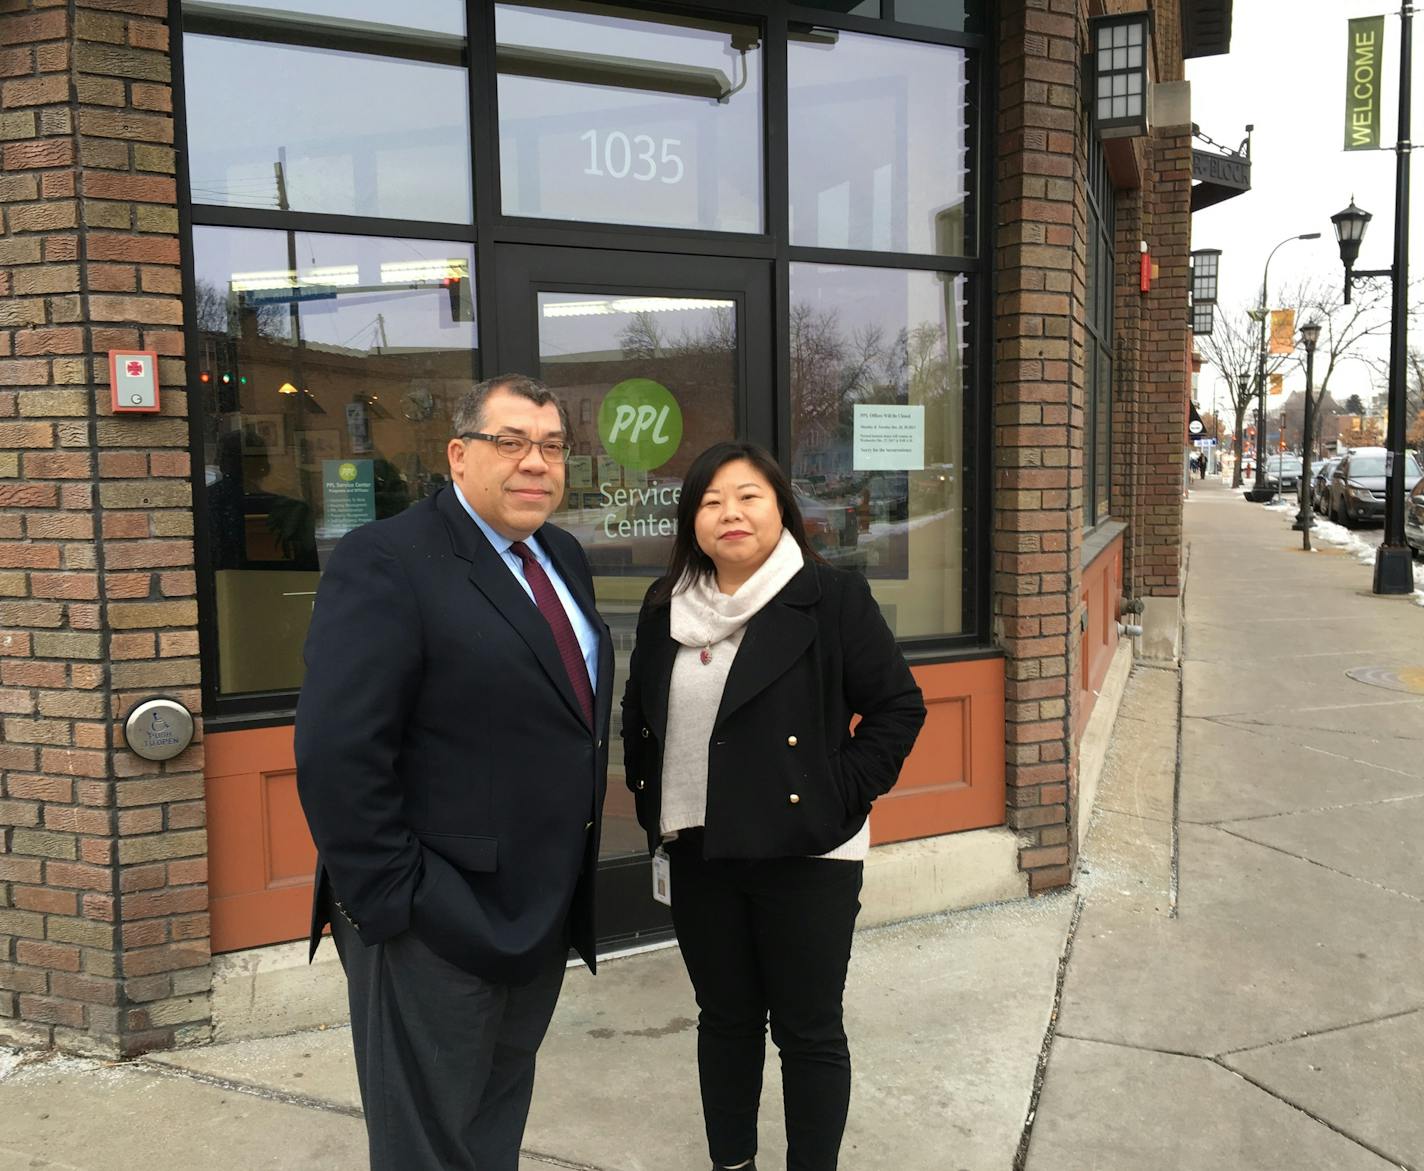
{"x": 1305, "y": 519}
{"x": 1243, "y": 383}
{"x": 1260, "y": 493}
{"x": 1394, "y": 568}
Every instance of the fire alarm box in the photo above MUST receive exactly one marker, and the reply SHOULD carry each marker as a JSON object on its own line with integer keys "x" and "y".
{"x": 133, "y": 381}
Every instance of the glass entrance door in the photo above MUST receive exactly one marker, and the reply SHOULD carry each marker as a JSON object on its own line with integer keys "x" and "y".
{"x": 656, "y": 357}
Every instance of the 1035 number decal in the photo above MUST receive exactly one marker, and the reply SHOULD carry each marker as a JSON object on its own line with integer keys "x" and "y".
{"x": 639, "y": 157}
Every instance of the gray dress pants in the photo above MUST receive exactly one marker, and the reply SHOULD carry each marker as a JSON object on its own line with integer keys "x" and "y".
{"x": 445, "y": 1059}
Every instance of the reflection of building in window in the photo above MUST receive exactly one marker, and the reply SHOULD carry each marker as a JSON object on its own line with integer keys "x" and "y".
{"x": 879, "y": 337}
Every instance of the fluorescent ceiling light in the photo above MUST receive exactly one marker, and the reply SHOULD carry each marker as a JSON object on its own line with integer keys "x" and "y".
{"x": 401, "y": 272}
{"x": 622, "y": 305}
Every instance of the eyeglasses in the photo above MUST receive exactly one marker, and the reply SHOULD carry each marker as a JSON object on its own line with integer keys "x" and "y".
{"x": 516, "y": 447}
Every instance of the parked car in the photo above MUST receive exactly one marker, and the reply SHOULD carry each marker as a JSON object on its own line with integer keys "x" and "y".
{"x": 829, "y": 524}
{"x": 1414, "y": 519}
{"x": 1283, "y": 473}
{"x": 1357, "y": 486}
{"x": 1320, "y": 484}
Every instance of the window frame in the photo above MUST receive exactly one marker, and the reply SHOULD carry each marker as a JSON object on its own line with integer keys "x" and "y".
{"x": 1098, "y": 324}
{"x": 490, "y": 227}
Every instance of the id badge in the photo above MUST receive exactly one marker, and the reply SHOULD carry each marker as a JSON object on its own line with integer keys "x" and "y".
{"x": 662, "y": 877}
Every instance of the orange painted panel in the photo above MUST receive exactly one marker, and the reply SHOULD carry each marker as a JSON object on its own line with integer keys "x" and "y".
{"x": 291, "y": 856}
{"x": 954, "y": 779}
{"x": 1102, "y": 591}
{"x": 260, "y": 855}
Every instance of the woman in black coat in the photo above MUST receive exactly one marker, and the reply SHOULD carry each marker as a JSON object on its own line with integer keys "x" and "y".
{"x": 752, "y": 657}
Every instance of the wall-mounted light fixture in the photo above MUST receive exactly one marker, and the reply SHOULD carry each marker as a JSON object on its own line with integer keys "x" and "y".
{"x": 1120, "y": 77}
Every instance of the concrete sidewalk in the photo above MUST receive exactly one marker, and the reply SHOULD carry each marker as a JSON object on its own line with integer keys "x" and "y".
{"x": 946, "y": 1015}
{"x": 1244, "y": 987}
{"x": 1272, "y": 1016}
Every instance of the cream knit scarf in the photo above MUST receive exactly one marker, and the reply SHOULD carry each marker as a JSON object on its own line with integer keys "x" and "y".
{"x": 702, "y": 615}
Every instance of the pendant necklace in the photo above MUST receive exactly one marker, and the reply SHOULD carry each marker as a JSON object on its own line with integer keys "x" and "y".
{"x": 706, "y": 655}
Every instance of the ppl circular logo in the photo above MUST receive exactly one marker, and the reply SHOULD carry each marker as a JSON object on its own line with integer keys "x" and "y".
{"x": 347, "y": 472}
{"x": 640, "y": 424}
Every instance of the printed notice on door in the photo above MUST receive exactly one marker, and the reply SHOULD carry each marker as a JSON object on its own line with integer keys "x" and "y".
{"x": 889, "y": 438}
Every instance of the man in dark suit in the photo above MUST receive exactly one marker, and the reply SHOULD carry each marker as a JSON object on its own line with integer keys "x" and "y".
{"x": 451, "y": 760}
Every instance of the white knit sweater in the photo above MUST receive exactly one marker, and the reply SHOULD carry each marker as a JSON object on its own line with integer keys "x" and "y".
{"x": 709, "y": 626}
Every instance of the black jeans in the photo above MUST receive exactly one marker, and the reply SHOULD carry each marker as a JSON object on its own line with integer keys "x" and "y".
{"x": 768, "y": 937}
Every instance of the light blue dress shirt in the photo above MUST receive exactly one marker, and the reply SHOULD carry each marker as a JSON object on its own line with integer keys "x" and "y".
{"x": 584, "y": 630}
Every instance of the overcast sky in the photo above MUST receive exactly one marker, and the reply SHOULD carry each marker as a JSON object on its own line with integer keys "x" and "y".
{"x": 1286, "y": 75}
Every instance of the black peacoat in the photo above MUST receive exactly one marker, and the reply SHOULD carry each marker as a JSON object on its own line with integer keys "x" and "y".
{"x": 785, "y": 775}
{"x": 450, "y": 780}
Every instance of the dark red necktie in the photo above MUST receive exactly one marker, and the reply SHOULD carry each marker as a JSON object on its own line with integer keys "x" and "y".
{"x": 547, "y": 599}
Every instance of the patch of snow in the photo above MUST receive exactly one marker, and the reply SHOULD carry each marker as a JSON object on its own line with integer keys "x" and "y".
{"x": 1351, "y": 542}
{"x": 9, "y": 1062}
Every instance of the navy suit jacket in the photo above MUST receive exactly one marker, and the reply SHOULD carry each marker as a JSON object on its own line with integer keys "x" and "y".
{"x": 451, "y": 783}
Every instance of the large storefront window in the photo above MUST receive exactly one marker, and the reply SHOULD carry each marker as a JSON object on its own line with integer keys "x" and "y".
{"x": 879, "y": 141}
{"x": 620, "y": 117}
{"x": 1098, "y": 343}
{"x": 612, "y": 163}
{"x": 878, "y": 375}
{"x": 345, "y": 133}
{"x": 328, "y": 367}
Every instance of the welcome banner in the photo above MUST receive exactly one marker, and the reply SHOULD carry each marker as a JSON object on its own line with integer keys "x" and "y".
{"x": 1362, "y": 83}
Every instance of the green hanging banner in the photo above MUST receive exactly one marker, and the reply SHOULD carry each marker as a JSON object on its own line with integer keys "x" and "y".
{"x": 1363, "y": 82}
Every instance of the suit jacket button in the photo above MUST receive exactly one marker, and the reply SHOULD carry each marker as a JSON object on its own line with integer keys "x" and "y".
{"x": 791, "y": 740}
{"x": 794, "y": 799}
{"x": 645, "y": 733}
{"x": 599, "y": 743}
{"x": 641, "y": 785}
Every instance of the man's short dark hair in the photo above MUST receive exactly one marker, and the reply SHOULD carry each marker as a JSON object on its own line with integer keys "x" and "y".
{"x": 469, "y": 413}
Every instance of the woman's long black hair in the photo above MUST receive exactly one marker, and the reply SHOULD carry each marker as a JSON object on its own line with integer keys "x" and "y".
{"x": 688, "y": 560}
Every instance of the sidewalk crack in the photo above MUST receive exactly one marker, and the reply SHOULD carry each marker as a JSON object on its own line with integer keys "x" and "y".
{"x": 267, "y": 1093}
{"x": 1395, "y": 1160}
{"x": 1333, "y": 870}
{"x": 1041, "y": 1070}
{"x": 1132, "y": 1045}
{"x": 1225, "y": 821}
{"x": 1311, "y": 1033}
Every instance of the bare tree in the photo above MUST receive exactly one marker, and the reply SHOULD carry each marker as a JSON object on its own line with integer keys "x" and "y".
{"x": 1232, "y": 347}
{"x": 641, "y": 337}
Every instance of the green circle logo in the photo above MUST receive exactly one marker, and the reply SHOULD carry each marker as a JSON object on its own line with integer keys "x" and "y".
{"x": 347, "y": 472}
{"x": 640, "y": 424}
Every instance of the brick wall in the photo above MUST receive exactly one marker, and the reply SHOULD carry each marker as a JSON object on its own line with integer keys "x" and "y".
{"x": 1038, "y": 417}
{"x": 103, "y": 925}
{"x": 1156, "y": 341}
{"x": 1164, "y": 375}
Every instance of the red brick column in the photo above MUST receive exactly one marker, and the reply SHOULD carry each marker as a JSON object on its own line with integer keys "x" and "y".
{"x": 103, "y": 925}
{"x": 1164, "y": 357}
{"x": 1038, "y": 418}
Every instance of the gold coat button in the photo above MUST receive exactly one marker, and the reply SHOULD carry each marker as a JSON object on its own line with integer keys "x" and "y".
{"x": 795, "y": 798}
{"x": 791, "y": 740}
